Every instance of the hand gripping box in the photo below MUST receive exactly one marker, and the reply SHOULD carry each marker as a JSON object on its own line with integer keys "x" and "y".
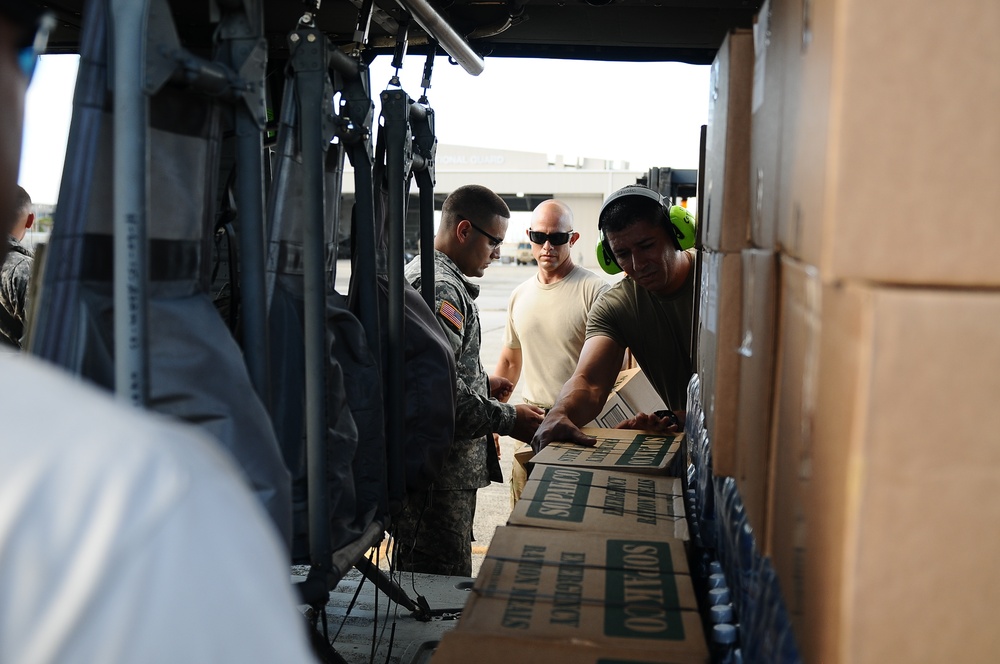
{"x": 567, "y": 498}
{"x": 631, "y": 394}
{"x": 618, "y": 449}
{"x": 569, "y": 589}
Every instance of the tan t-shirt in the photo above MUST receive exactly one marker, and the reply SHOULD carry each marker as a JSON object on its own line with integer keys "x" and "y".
{"x": 547, "y": 322}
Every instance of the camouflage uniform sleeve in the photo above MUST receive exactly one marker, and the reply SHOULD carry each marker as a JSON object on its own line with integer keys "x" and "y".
{"x": 14, "y": 285}
{"x": 21, "y": 276}
{"x": 477, "y": 416}
{"x": 445, "y": 294}
{"x": 476, "y": 413}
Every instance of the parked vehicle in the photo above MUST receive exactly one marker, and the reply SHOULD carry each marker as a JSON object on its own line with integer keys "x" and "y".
{"x": 523, "y": 255}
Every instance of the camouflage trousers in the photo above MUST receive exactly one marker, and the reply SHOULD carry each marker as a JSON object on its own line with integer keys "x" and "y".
{"x": 433, "y": 534}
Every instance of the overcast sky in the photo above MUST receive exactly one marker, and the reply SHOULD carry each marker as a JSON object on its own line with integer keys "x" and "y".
{"x": 648, "y": 114}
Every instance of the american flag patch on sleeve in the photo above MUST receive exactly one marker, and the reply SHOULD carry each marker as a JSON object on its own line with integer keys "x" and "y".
{"x": 451, "y": 314}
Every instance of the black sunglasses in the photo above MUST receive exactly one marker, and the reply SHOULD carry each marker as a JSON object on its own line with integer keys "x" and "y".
{"x": 494, "y": 240}
{"x": 555, "y": 239}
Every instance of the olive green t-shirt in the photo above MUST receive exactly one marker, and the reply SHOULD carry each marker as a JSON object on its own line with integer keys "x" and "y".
{"x": 657, "y": 329}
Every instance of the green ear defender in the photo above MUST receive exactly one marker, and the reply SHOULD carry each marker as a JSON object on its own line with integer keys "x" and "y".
{"x": 684, "y": 225}
{"x": 682, "y": 222}
{"x": 604, "y": 256}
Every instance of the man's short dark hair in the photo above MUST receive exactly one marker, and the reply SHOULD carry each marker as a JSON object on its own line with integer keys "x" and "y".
{"x": 22, "y": 203}
{"x": 474, "y": 202}
{"x": 627, "y": 210}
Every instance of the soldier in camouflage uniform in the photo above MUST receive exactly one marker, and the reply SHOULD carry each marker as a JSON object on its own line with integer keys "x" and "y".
{"x": 14, "y": 273}
{"x": 434, "y": 532}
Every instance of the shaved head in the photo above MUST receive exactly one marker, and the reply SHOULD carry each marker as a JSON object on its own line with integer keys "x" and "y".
{"x": 555, "y": 212}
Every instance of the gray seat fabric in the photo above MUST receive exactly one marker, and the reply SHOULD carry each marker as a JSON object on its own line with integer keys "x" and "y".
{"x": 196, "y": 369}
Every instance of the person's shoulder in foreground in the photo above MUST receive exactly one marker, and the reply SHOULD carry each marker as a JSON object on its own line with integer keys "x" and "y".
{"x": 129, "y": 538}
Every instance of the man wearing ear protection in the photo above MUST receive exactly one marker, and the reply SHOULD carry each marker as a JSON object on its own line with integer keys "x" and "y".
{"x": 547, "y": 317}
{"x": 649, "y": 312}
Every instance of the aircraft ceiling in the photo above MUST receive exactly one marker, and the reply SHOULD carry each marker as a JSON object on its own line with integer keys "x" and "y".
{"x": 631, "y": 30}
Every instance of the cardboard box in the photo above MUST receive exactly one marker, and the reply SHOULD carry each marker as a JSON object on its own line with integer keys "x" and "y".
{"x": 778, "y": 23}
{"x": 894, "y": 156}
{"x": 566, "y": 498}
{"x": 617, "y": 449}
{"x": 726, "y": 208}
{"x": 629, "y": 594}
{"x": 631, "y": 394}
{"x": 457, "y": 647}
{"x": 796, "y": 384}
{"x": 890, "y": 468}
{"x": 756, "y": 383}
{"x": 718, "y": 361}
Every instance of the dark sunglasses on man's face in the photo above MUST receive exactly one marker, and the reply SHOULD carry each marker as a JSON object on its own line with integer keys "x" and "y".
{"x": 555, "y": 239}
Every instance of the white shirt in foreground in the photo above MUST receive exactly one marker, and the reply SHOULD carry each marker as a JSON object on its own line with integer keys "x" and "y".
{"x": 125, "y": 537}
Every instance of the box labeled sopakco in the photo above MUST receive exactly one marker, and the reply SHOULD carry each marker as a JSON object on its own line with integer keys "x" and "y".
{"x": 632, "y": 394}
{"x": 567, "y": 498}
{"x": 617, "y": 449}
{"x": 629, "y": 593}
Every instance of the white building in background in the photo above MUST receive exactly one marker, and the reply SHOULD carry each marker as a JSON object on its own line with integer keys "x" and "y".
{"x": 525, "y": 179}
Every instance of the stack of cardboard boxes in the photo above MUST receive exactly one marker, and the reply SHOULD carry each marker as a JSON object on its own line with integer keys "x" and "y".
{"x": 592, "y": 566}
{"x": 737, "y": 290}
{"x": 868, "y": 303}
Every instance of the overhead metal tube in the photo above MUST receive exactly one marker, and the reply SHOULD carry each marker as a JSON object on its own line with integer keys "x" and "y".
{"x": 453, "y": 43}
{"x": 344, "y": 64}
{"x": 130, "y": 195}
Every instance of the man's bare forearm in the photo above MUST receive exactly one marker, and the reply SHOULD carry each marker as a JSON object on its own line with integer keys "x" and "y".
{"x": 508, "y": 366}
{"x": 580, "y": 401}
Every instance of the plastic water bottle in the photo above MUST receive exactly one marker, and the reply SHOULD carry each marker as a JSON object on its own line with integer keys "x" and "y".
{"x": 721, "y": 614}
{"x": 723, "y": 641}
{"x": 717, "y": 596}
{"x": 717, "y": 580}
{"x": 694, "y": 530}
{"x": 724, "y": 647}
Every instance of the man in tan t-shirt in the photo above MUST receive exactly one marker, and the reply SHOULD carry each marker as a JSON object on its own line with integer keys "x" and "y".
{"x": 547, "y": 317}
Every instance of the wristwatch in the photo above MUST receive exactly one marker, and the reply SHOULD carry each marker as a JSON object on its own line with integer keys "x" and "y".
{"x": 670, "y": 415}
